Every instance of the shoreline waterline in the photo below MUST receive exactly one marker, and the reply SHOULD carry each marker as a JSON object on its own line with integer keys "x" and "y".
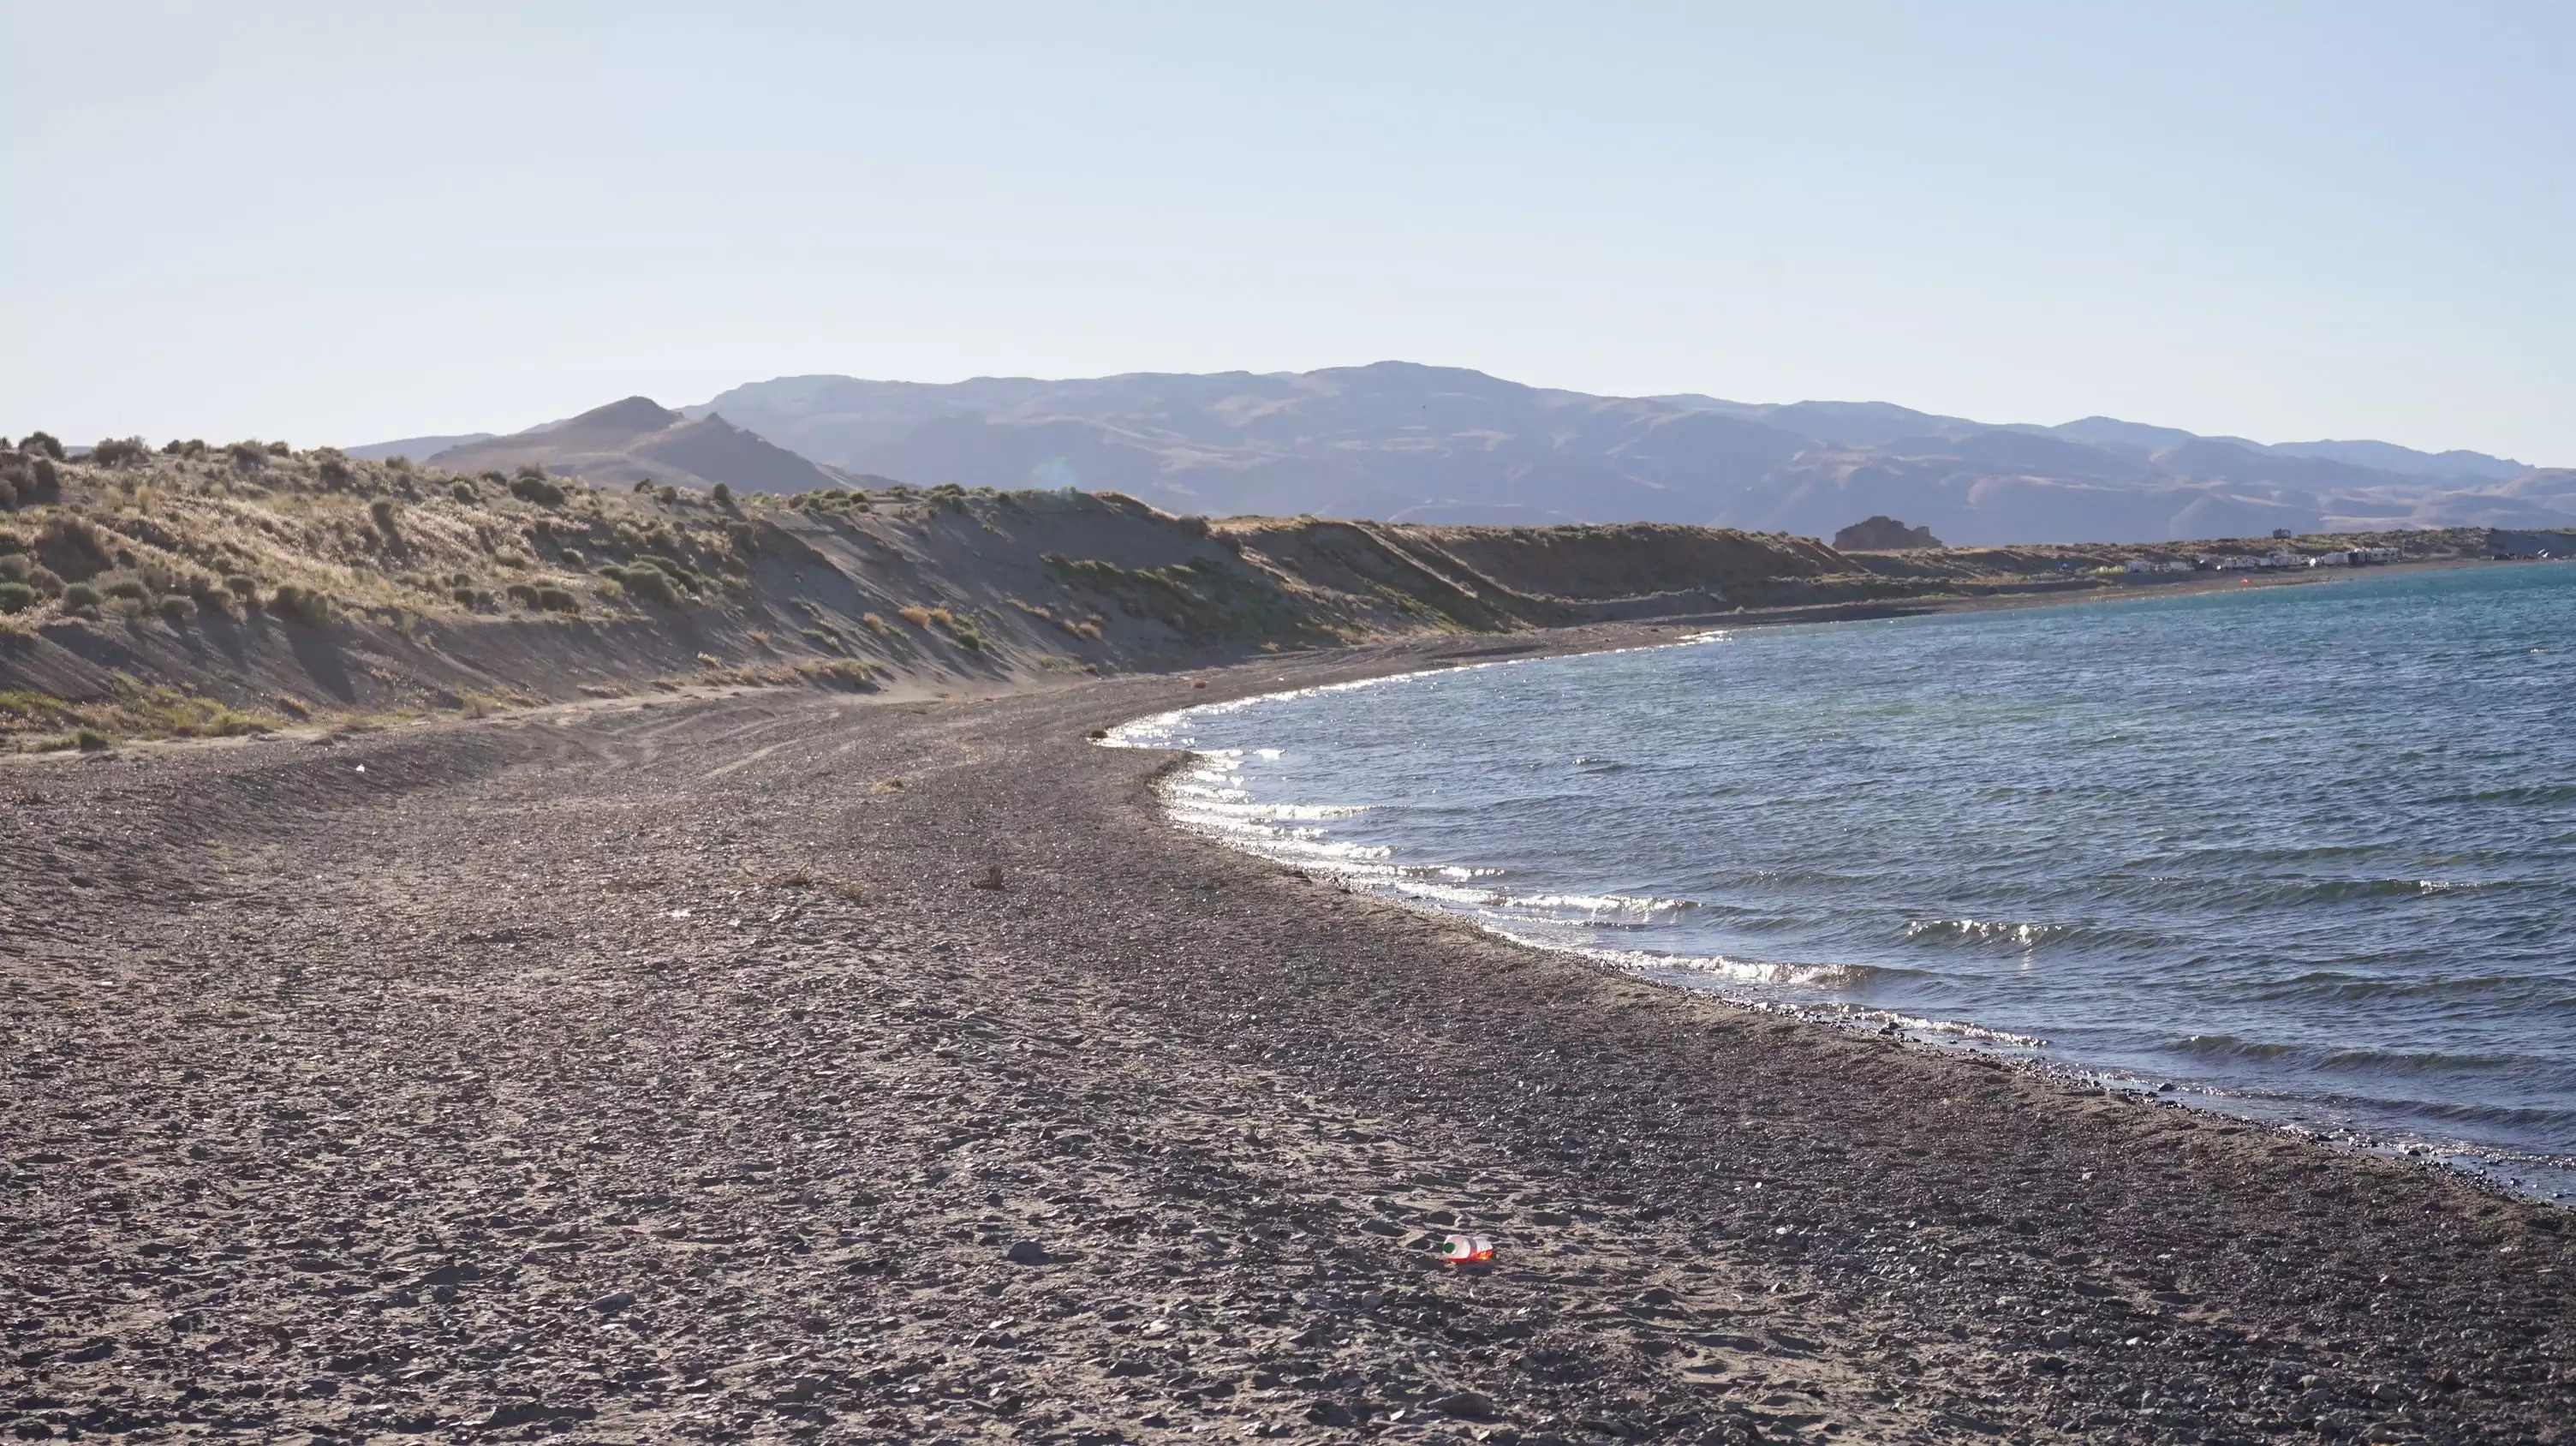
{"x": 1284, "y": 818}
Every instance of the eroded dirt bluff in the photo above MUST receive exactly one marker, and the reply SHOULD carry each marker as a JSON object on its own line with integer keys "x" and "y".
{"x": 230, "y": 590}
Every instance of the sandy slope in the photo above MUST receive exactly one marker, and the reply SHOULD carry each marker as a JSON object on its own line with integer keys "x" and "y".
{"x": 658, "y": 1072}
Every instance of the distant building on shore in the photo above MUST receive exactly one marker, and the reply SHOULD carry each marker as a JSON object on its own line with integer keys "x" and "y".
{"x": 2277, "y": 560}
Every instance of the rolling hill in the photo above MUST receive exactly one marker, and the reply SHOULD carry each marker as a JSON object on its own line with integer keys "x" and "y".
{"x": 1398, "y": 441}
{"x": 637, "y": 439}
{"x": 1405, "y": 443}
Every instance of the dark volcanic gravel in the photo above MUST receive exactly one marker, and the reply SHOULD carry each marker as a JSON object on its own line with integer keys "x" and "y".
{"x": 640, "y": 1073}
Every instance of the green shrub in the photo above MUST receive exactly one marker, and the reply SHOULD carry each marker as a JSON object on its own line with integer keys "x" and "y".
{"x": 90, "y": 740}
{"x": 14, "y": 566}
{"x": 524, "y": 594}
{"x": 241, "y": 587}
{"x": 301, "y": 605}
{"x": 178, "y": 609}
{"x": 722, "y": 494}
{"x": 77, "y": 542}
{"x": 80, "y": 595}
{"x": 537, "y": 490}
{"x": 43, "y": 445}
{"x": 127, "y": 587}
{"x": 646, "y": 583}
{"x": 557, "y": 600}
{"x": 247, "y": 455}
{"x": 462, "y": 492}
{"x": 120, "y": 452}
{"x": 209, "y": 595}
{"x": 16, "y": 597}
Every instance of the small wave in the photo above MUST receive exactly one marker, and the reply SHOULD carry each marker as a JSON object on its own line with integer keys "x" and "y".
{"x": 1448, "y": 884}
{"x": 2228, "y": 1046}
{"x": 1275, "y": 812}
{"x": 2420, "y": 1061}
{"x": 2336, "y": 984}
{"x": 2363, "y": 1060}
{"x": 2334, "y": 891}
{"x": 1713, "y": 966}
{"x": 2352, "y": 1105}
{"x": 1987, "y": 931}
{"x": 1600, "y": 903}
{"x": 2534, "y": 793}
{"x": 1962, "y": 1029}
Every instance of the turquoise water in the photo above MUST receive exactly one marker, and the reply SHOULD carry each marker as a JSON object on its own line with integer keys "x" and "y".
{"x": 2305, "y": 853}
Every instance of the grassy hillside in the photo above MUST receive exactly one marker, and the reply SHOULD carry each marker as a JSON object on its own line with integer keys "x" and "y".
{"x": 197, "y": 590}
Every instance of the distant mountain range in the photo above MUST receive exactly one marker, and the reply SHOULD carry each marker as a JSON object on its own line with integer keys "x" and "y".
{"x": 630, "y": 441}
{"x": 1413, "y": 443}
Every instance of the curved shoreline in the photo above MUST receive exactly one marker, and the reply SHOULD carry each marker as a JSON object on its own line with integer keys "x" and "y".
{"x": 664, "y": 1071}
{"x": 1741, "y": 985}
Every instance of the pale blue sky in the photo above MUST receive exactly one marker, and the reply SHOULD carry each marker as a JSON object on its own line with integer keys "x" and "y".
{"x": 342, "y": 222}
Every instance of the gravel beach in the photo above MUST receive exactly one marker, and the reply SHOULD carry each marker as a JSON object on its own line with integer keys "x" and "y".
{"x": 795, "y": 1066}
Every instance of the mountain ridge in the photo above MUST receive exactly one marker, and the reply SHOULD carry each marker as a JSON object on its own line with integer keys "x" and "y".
{"x": 1406, "y": 442}
{"x": 636, "y": 439}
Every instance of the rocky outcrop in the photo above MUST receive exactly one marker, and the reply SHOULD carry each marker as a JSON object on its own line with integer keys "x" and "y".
{"x": 1884, "y": 534}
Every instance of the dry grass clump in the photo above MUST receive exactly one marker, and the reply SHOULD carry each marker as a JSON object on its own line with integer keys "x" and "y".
{"x": 840, "y": 675}
{"x": 44, "y": 723}
{"x": 960, "y": 631}
{"x": 309, "y": 606}
{"x": 224, "y": 528}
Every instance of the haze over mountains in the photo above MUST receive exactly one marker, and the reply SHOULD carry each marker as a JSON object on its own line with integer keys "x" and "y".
{"x": 1414, "y": 443}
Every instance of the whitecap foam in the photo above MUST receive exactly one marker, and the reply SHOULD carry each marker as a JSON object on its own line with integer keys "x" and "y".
{"x": 1985, "y": 931}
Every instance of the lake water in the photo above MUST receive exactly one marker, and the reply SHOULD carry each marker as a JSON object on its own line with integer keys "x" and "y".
{"x": 2306, "y": 854}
